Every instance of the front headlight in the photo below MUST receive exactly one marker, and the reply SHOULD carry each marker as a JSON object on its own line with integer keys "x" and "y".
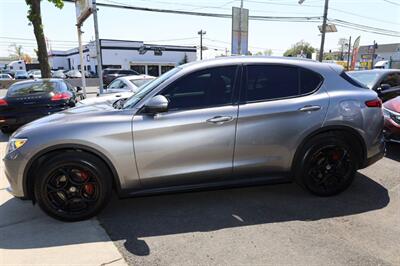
{"x": 392, "y": 115}
{"x": 15, "y": 144}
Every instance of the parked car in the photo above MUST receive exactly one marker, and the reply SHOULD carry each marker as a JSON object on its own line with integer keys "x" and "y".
{"x": 386, "y": 82}
{"x": 90, "y": 74}
{"x": 128, "y": 83}
{"x": 108, "y": 99}
{"x": 110, "y": 74}
{"x": 391, "y": 112}
{"x": 59, "y": 74}
{"x": 225, "y": 122}
{"x": 26, "y": 101}
{"x": 5, "y": 77}
{"x": 9, "y": 72}
{"x": 35, "y": 74}
{"x": 73, "y": 74}
{"x": 21, "y": 74}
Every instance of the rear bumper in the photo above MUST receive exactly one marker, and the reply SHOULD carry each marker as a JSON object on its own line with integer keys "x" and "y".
{"x": 379, "y": 154}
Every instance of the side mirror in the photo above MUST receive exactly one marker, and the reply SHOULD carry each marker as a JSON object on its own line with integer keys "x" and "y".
{"x": 157, "y": 104}
{"x": 385, "y": 87}
{"x": 78, "y": 89}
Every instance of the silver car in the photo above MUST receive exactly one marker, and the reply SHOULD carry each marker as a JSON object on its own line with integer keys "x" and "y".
{"x": 224, "y": 122}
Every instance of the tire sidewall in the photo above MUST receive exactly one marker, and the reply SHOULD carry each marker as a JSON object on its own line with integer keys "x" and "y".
{"x": 85, "y": 160}
{"x": 315, "y": 145}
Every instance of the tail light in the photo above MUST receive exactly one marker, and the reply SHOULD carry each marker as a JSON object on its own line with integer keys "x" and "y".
{"x": 374, "y": 103}
{"x": 3, "y": 102}
{"x": 61, "y": 96}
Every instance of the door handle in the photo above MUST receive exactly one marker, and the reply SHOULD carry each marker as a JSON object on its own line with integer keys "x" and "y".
{"x": 310, "y": 108}
{"x": 220, "y": 119}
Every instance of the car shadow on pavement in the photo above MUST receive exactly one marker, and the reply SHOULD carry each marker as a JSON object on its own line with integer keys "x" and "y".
{"x": 23, "y": 226}
{"x": 131, "y": 219}
{"x": 393, "y": 151}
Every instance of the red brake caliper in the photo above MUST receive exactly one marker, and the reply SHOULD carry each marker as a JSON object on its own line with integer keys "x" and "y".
{"x": 89, "y": 188}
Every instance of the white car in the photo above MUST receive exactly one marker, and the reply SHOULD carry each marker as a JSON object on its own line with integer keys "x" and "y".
{"x": 128, "y": 83}
{"x": 73, "y": 74}
{"x": 35, "y": 74}
{"x": 58, "y": 74}
{"x": 5, "y": 77}
{"x": 108, "y": 99}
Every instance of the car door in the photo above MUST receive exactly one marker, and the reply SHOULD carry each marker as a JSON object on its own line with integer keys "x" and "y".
{"x": 194, "y": 141}
{"x": 389, "y": 87}
{"x": 279, "y": 106}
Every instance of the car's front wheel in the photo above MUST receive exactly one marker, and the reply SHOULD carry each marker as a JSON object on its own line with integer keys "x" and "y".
{"x": 329, "y": 164}
{"x": 73, "y": 186}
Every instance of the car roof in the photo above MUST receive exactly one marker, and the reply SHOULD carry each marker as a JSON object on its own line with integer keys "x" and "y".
{"x": 295, "y": 61}
{"x": 39, "y": 80}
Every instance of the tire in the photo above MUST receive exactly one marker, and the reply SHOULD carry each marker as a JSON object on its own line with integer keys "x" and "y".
{"x": 328, "y": 164}
{"x": 73, "y": 186}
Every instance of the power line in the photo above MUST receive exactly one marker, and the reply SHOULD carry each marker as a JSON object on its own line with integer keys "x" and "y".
{"x": 391, "y": 2}
{"x": 262, "y": 18}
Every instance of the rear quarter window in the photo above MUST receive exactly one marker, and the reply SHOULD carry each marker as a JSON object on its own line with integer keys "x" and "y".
{"x": 309, "y": 81}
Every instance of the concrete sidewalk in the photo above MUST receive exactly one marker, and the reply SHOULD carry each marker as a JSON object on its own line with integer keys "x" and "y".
{"x": 28, "y": 236}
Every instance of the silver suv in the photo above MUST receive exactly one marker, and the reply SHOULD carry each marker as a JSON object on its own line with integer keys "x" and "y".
{"x": 224, "y": 122}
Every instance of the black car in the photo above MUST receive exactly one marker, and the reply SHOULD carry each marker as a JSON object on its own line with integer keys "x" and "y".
{"x": 26, "y": 101}
{"x": 386, "y": 82}
{"x": 110, "y": 74}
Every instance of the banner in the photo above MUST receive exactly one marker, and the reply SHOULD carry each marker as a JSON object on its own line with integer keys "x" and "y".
{"x": 354, "y": 55}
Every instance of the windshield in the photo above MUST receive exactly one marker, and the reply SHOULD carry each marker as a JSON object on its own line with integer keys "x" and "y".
{"x": 130, "y": 102}
{"x": 24, "y": 89}
{"x": 140, "y": 82}
{"x": 368, "y": 78}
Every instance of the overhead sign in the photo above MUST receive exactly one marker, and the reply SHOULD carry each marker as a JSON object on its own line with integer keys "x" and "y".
{"x": 328, "y": 28}
{"x": 83, "y": 10}
{"x": 240, "y": 29}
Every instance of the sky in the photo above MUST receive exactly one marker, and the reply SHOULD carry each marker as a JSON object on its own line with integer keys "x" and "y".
{"x": 160, "y": 28}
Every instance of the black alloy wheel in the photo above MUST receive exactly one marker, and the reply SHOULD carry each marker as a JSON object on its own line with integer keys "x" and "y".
{"x": 329, "y": 167}
{"x": 73, "y": 186}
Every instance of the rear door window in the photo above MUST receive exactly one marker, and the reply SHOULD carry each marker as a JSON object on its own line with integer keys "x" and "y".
{"x": 266, "y": 82}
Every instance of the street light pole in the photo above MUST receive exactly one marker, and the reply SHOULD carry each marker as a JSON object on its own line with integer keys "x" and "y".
{"x": 348, "y": 55}
{"x": 321, "y": 49}
{"x": 98, "y": 49}
{"x": 81, "y": 59}
{"x": 201, "y": 33}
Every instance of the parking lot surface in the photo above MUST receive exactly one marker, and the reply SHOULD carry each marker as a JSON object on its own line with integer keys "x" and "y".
{"x": 276, "y": 224}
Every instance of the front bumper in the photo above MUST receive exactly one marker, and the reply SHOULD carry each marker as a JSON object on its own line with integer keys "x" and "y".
{"x": 14, "y": 165}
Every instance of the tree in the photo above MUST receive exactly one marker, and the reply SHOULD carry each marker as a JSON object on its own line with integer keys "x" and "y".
{"x": 300, "y": 48}
{"x": 266, "y": 52}
{"x": 35, "y": 16}
{"x": 184, "y": 60}
{"x": 343, "y": 45}
{"x": 18, "y": 53}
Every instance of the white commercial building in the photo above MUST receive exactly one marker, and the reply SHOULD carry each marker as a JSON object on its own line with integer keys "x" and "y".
{"x": 151, "y": 59}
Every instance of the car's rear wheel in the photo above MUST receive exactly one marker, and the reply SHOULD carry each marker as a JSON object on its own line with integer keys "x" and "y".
{"x": 73, "y": 186}
{"x": 329, "y": 165}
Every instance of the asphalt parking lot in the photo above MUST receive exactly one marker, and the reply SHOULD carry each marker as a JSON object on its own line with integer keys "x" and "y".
{"x": 276, "y": 224}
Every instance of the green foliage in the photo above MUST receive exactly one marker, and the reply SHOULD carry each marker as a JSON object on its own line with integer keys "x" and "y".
{"x": 184, "y": 60}
{"x": 301, "y": 47}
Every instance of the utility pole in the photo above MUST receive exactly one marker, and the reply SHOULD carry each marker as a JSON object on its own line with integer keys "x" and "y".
{"x": 240, "y": 28}
{"x": 348, "y": 55}
{"x": 98, "y": 49}
{"x": 201, "y": 33}
{"x": 373, "y": 54}
{"x": 321, "y": 49}
{"x": 81, "y": 58}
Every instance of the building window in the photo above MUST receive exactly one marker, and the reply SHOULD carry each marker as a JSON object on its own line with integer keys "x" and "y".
{"x": 153, "y": 70}
{"x": 11, "y": 67}
{"x": 112, "y": 66}
{"x": 141, "y": 69}
{"x": 166, "y": 68}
